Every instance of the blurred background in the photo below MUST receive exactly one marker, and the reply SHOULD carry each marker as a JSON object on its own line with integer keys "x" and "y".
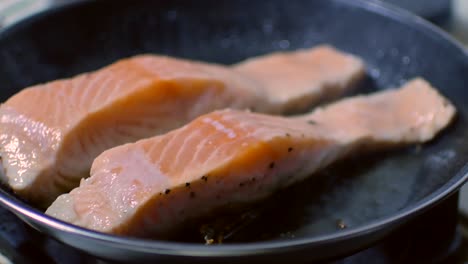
{"x": 451, "y": 15}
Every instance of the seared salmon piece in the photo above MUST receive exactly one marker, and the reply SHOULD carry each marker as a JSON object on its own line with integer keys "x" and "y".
{"x": 151, "y": 187}
{"x": 51, "y": 133}
{"x": 290, "y": 76}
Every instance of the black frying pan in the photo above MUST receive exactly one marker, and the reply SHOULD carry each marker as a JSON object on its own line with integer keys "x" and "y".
{"x": 370, "y": 195}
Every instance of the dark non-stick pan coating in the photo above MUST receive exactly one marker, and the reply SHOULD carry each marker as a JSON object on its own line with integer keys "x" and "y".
{"x": 350, "y": 205}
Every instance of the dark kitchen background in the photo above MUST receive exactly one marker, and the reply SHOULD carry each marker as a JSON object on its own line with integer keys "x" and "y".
{"x": 438, "y": 236}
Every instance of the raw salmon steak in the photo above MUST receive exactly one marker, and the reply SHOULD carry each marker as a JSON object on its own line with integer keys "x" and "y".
{"x": 232, "y": 157}
{"x": 51, "y": 133}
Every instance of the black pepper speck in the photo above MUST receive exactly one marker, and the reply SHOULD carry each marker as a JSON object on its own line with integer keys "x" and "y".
{"x": 187, "y": 184}
{"x": 272, "y": 165}
{"x": 167, "y": 191}
{"x": 290, "y": 149}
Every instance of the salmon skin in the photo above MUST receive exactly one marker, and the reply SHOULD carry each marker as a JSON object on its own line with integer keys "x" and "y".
{"x": 229, "y": 157}
{"x": 51, "y": 133}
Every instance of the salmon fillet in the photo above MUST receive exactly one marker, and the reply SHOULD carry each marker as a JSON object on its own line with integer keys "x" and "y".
{"x": 290, "y": 76}
{"x": 51, "y": 133}
{"x": 151, "y": 187}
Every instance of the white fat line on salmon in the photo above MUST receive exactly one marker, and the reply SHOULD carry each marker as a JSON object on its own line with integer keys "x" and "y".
{"x": 220, "y": 127}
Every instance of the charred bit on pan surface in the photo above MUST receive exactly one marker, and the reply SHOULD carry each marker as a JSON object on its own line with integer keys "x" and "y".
{"x": 287, "y": 234}
{"x": 208, "y": 232}
{"x": 341, "y": 224}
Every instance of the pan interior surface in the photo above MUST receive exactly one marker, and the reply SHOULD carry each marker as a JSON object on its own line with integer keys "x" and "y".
{"x": 396, "y": 47}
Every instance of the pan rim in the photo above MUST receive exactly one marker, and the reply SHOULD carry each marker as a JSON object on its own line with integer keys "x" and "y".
{"x": 246, "y": 249}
